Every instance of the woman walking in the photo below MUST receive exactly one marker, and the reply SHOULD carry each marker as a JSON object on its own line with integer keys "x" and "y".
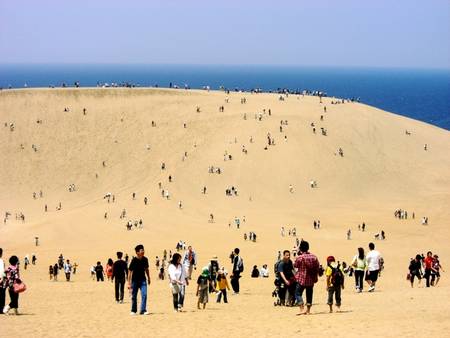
{"x": 359, "y": 264}
{"x": 12, "y": 277}
{"x": 178, "y": 281}
{"x": 109, "y": 269}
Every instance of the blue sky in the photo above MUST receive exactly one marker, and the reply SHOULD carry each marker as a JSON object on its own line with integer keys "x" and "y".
{"x": 379, "y": 33}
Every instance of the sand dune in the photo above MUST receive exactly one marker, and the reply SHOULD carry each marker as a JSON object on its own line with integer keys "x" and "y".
{"x": 382, "y": 169}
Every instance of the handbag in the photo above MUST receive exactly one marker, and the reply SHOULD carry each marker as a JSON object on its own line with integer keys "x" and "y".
{"x": 408, "y": 276}
{"x": 175, "y": 288}
{"x": 19, "y": 286}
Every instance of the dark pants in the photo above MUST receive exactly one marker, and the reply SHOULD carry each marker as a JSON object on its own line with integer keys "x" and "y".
{"x": 2, "y": 298}
{"x": 100, "y": 277}
{"x": 178, "y": 298}
{"x": 235, "y": 281}
{"x": 224, "y": 293}
{"x": 359, "y": 277}
{"x": 427, "y": 276}
{"x": 337, "y": 294}
{"x": 283, "y": 290}
{"x": 119, "y": 285}
{"x": 68, "y": 276}
{"x": 299, "y": 294}
{"x": 14, "y": 297}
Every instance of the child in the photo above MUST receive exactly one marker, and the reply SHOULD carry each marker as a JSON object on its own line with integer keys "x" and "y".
{"x": 203, "y": 282}
{"x": 222, "y": 284}
{"x": 50, "y": 271}
{"x": 161, "y": 273}
{"x": 335, "y": 282}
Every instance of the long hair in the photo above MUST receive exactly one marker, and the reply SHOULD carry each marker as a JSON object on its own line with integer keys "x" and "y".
{"x": 360, "y": 253}
{"x": 176, "y": 256}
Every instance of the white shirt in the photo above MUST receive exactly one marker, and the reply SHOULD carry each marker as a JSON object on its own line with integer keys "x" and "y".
{"x": 264, "y": 272}
{"x": 177, "y": 273}
{"x": 373, "y": 260}
{"x": 67, "y": 267}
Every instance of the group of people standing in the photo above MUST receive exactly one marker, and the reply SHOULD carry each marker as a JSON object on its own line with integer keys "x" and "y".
{"x": 295, "y": 278}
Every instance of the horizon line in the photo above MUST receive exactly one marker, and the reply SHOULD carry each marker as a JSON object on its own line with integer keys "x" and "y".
{"x": 274, "y": 65}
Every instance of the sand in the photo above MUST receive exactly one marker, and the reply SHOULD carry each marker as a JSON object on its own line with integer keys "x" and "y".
{"x": 382, "y": 169}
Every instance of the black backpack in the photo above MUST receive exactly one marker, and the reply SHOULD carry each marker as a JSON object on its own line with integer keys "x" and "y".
{"x": 337, "y": 277}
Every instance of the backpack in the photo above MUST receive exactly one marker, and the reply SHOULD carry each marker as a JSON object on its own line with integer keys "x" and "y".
{"x": 275, "y": 269}
{"x": 337, "y": 277}
{"x": 240, "y": 264}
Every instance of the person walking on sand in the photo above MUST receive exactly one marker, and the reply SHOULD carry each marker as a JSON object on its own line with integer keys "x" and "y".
{"x": 222, "y": 284}
{"x": 67, "y": 270}
{"x": 203, "y": 284}
{"x": 373, "y": 259}
{"x": 428, "y": 264}
{"x": 2, "y": 282}
{"x": 99, "y": 272}
{"x": 359, "y": 264}
{"x": 190, "y": 261}
{"x": 50, "y": 272}
{"x": 436, "y": 268}
{"x": 109, "y": 269}
{"x": 119, "y": 274}
{"x": 238, "y": 268}
{"x": 12, "y": 277}
{"x": 55, "y": 272}
{"x": 307, "y": 266}
{"x": 415, "y": 269}
{"x": 335, "y": 282}
{"x": 138, "y": 271}
{"x": 178, "y": 281}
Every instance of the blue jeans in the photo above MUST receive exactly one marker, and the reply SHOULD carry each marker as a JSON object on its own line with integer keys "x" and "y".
{"x": 136, "y": 285}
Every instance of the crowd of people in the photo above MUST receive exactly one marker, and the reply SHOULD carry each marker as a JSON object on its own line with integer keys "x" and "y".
{"x": 292, "y": 279}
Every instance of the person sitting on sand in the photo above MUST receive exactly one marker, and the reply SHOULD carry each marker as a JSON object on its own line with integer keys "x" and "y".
{"x": 255, "y": 272}
{"x": 264, "y": 271}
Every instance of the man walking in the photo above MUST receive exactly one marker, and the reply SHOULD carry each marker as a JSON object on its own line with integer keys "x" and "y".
{"x": 138, "y": 271}
{"x": 190, "y": 261}
{"x": 67, "y": 270}
{"x": 307, "y": 266}
{"x": 373, "y": 266}
{"x": 120, "y": 271}
{"x": 238, "y": 268}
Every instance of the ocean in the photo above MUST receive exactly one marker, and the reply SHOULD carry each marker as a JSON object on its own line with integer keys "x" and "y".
{"x": 422, "y": 94}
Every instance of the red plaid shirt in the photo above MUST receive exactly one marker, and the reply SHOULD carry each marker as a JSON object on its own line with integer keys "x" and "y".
{"x": 307, "y": 266}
